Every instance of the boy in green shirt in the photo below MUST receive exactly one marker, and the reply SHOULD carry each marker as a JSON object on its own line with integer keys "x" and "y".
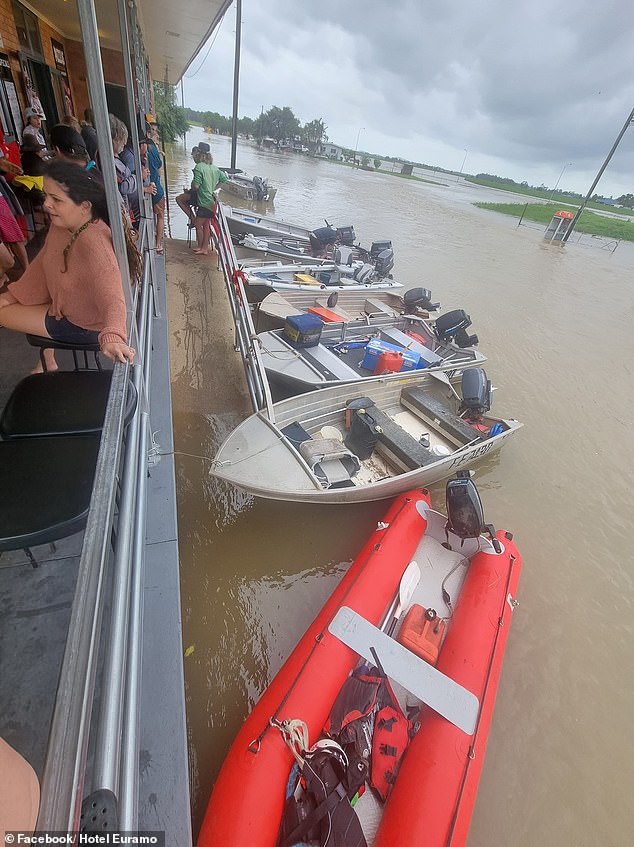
{"x": 206, "y": 179}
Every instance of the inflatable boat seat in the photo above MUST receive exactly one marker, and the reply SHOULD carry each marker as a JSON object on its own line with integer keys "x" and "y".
{"x": 420, "y": 402}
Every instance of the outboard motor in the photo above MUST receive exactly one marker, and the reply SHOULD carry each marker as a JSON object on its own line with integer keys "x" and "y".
{"x": 346, "y": 235}
{"x": 419, "y": 298}
{"x": 321, "y": 238}
{"x": 476, "y": 394}
{"x": 384, "y": 262}
{"x": 261, "y": 188}
{"x": 453, "y": 325}
{"x": 343, "y": 255}
{"x": 465, "y": 514}
{"x": 378, "y": 247}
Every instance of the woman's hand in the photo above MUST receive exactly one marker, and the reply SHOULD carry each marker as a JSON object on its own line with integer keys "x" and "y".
{"x": 117, "y": 351}
{"x": 8, "y": 167}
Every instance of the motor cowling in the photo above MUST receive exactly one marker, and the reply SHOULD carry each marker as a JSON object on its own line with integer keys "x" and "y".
{"x": 465, "y": 514}
{"x": 447, "y": 325}
{"x": 419, "y": 298}
{"x": 346, "y": 235}
{"x": 261, "y": 188}
{"x": 384, "y": 262}
{"x": 379, "y": 246}
{"x": 476, "y": 393}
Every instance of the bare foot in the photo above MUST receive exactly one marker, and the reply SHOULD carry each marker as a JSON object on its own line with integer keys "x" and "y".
{"x": 201, "y": 252}
{"x": 38, "y": 369}
{"x": 49, "y": 359}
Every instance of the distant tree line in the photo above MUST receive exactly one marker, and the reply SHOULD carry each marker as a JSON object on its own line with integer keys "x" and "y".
{"x": 281, "y": 126}
{"x": 278, "y": 124}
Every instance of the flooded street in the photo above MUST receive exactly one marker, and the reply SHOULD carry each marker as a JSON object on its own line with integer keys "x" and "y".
{"x": 556, "y": 325}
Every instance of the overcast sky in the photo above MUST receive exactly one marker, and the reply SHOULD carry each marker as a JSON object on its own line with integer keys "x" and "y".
{"x": 523, "y": 89}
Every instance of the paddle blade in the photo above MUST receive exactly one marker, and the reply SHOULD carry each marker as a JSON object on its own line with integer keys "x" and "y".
{"x": 409, "y": 581}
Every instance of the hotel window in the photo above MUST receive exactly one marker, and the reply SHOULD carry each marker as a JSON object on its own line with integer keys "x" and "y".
{"x": 28, "y": 30}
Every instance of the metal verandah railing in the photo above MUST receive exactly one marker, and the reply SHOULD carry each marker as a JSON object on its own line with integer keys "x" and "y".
{"x": 117, "y": 517}
{"x": 245, "y": 335}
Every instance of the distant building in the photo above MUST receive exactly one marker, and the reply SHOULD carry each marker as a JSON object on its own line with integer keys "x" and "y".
{"x": 332, "y": 151}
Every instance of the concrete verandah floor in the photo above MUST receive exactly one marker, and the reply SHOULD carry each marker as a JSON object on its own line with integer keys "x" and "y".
{"x": 209, "y": 392}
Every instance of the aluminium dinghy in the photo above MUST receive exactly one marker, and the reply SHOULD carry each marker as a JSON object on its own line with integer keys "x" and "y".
{"x": 365, "y": 441}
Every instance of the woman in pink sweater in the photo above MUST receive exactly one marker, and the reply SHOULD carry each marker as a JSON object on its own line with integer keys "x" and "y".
{"x": 72, "y": 290}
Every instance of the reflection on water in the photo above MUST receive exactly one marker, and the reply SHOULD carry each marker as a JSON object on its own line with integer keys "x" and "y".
{"x": 556, "y": 325}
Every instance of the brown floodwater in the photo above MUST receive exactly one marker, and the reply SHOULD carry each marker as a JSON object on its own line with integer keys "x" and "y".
{"x": 556, "y": 325}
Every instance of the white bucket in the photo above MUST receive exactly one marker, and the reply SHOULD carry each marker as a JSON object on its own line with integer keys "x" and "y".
{"x": 440, "y": 450}
{"x": 331, "y": 432}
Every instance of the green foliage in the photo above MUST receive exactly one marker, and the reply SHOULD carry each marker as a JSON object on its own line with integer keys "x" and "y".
{"x": 314, "y": 134}
{"x": 279, "y": 124}
{"x": 171, "y": 118}
{"x": 377, "y": 164}
{"x": 588, "y": 222}
{"x": 626, "y": 200}
{"x": 365, "y": 160}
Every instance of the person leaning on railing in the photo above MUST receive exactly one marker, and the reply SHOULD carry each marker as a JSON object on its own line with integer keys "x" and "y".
{"x": 72, "y": 291}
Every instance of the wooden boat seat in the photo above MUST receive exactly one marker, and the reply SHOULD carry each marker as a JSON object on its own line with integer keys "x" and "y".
{"x": 430, "y": 409}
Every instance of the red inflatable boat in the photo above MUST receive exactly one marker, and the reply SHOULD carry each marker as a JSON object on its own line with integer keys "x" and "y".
{"x": 466, "y": 589}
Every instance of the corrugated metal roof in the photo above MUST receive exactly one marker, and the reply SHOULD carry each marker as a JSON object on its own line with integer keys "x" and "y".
{"x": 174, "y": 32}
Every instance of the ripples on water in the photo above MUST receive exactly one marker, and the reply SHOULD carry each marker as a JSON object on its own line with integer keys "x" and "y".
{"x": 556, "y": 325}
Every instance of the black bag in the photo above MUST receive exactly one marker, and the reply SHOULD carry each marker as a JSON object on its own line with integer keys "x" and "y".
{"x": 322, "y": 813}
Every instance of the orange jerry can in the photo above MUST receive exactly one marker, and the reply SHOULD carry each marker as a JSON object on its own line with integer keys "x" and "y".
{"x": 388, "y": 363}
{"x": 422, "y": 632}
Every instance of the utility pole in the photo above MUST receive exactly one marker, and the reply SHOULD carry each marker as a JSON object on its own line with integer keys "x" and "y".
{"x": 573, "y": 223}
{"x": 236, "y": 85}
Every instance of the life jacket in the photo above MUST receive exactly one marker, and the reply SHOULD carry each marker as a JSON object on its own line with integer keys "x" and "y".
{"x": 366, "y": 714}
{"x": 318, "y": 806}
{"x": 390, "y": 740}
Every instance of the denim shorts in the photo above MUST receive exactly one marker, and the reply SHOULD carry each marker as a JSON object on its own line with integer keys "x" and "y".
{"x": 63, "y": 330}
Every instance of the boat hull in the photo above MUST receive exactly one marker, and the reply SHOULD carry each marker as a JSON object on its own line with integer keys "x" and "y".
{"x": 434, "y": 794}
{"x": 243, "y": 221}
{"x": 247, "y": 800}
{"x": 258, "y": 458}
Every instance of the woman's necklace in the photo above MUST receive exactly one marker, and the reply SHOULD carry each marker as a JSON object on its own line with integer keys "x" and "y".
{"x": 73, "y": 238}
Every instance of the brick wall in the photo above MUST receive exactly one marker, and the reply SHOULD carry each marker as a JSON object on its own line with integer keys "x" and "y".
{"x": 75, "y": 64}
{"x": 112, "y": 71}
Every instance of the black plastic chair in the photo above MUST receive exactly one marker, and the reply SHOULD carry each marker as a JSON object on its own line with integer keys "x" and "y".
{"x": 61, "y": 403}
{"x": 50, "y": 344}
{"x": 34, "y": 508}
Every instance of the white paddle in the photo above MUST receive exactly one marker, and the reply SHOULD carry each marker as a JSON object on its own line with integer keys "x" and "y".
{"x": 409, "y": 581}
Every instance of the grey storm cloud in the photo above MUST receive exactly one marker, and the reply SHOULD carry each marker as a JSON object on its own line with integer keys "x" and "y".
{"x": 522, "y": 86}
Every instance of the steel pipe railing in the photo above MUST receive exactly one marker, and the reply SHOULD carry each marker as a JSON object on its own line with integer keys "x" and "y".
{"x": 64, "y": 776}
{"x": 245, "y": 335}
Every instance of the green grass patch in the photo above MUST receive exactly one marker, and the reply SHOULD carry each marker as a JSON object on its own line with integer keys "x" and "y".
{"x": 546, "y": 194}
{"x": 588, "y": 222}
